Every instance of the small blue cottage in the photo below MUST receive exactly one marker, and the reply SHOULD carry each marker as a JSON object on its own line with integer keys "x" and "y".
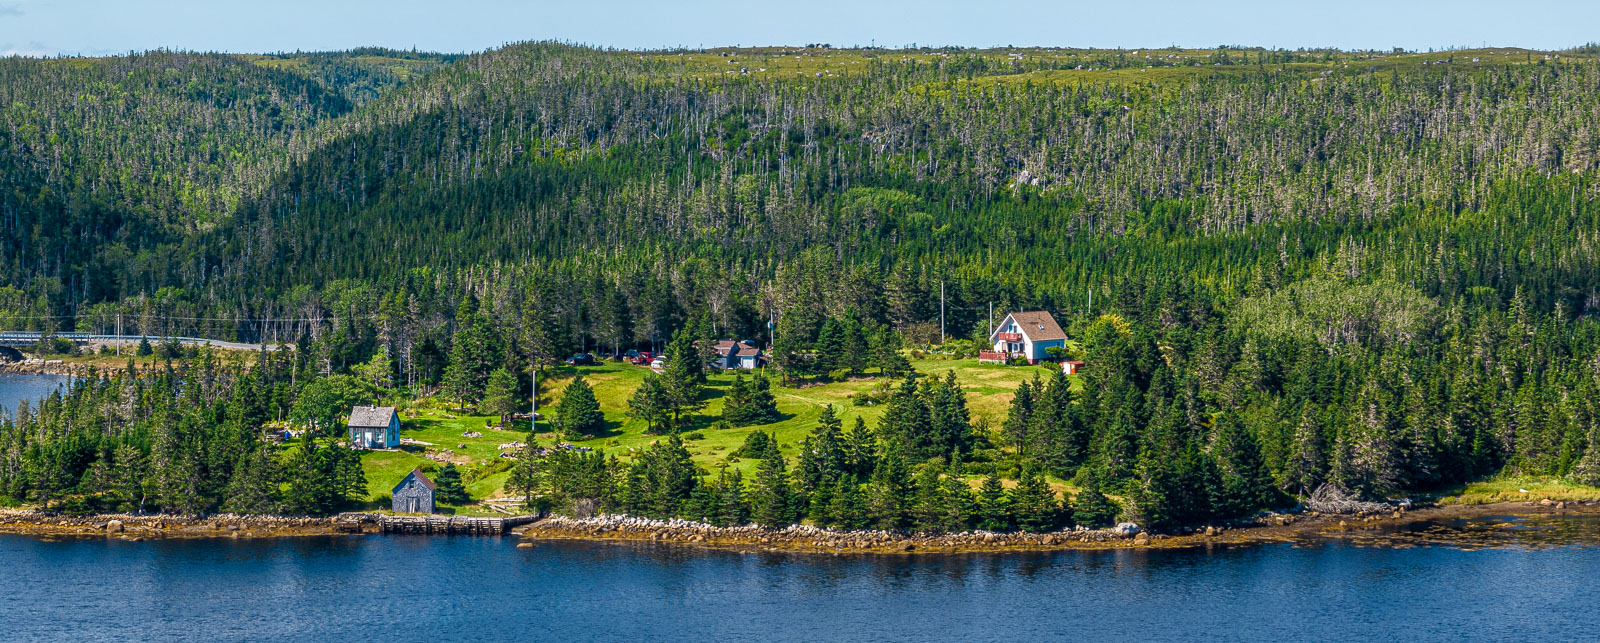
{"x": 374, "y": 427}
{"x": 414, "y": 494}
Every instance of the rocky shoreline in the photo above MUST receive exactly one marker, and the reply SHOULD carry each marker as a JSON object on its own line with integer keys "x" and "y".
{"x": 136, "y": 527}
{"x": 806, "y": 538}
{"x": 1277, "y": 528}
{"x": 34, "y": 366}
{"x": 1373, "y": 528}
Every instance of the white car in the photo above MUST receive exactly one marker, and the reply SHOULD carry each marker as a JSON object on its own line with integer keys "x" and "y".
{"x": 658, "y": 364}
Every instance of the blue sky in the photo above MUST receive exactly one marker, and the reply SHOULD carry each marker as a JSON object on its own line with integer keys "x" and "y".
{"x": 100, "y": 27}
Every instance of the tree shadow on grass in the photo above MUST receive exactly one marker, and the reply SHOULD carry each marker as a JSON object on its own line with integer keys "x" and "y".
{"x": 608, "y": 429}
{"x": 714, "y": 390}
{"x": 702, "y": 422}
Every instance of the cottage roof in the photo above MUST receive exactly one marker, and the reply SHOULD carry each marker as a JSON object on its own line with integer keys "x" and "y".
{"x": 725, "y": 346}
{"x": 370, "y": 416}
{"x": 749, "y": 351}
{"x": 1038, "y": 325}
{"x": 421, "y": 477}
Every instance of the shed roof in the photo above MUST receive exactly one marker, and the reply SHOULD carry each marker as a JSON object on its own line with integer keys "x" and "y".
{"x": 368, "y": 416}
{"x": 426, "y": 482}
{"x": 749, "y": 351}
{"x": 1038, "y": 325}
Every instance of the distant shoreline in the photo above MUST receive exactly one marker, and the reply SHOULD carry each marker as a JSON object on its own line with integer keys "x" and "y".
{"x": 799, "y": 539}
{"x": 1281, "y": 528}
{"x": 150, "y": 527}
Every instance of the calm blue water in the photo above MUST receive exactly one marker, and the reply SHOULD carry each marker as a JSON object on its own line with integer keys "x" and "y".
{"x": 461, "y": 588}
{"x": 16, "y": 388}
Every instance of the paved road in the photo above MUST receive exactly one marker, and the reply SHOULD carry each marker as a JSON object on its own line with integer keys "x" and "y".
{"x": 22, "y": 338}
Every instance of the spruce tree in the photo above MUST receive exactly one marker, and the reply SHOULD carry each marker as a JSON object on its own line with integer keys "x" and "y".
{"x": 959, "y": 504}
{"x": 857, "y": 348}
{"x": 890, "y": 492}
{"x": 256, "y": 484}
{"x": 500, "y": 396}
{"x": 772, "y": 500}
{"x": 847, "y": 506}
{"x": 884, "y": 348}
{"x": 763, "y": 405}
{"x": 128, "y": 474}
{"x": 830, "y": 348}
{"x": 749, "y": 402}
{"x": 1247, "y": 485}
{"x": 579, "y": 412}
{"x": 448, "y": 488}
{"x": 822, "y": 455}
{"x": 736, "y": 404}
{"x": 993, "y": 504}
{"x": 732, "y": 509}
{"x": 905, "y": 423}
{"x": 661, "y": 479}
{"x": 1304, "y": 470}
{"x": 651, "y": 403}
{"x": 1093, "y": 509}
{"x": 1586, "y": 471}
{"x": 1019, "y": 417}
{"x": 1034, "y": 503}
{"x": 928, "y": 507}
{"x": 684, "y": 378}
{"x": 756, "y": 446}
{"x": 471, "y": 354}
{"x": 860, "y": 449}
{"x": 949, "y": 423}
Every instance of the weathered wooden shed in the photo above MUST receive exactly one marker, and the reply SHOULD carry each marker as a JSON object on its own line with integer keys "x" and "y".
{"x": 414, "y": 494}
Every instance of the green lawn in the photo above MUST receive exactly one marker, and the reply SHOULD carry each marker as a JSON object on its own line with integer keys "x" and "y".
{"x": 385, "y": 469}
{"x": 989, "y": 391}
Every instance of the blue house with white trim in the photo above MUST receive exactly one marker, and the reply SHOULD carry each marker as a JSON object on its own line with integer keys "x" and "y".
{"x": 374, "y": 427}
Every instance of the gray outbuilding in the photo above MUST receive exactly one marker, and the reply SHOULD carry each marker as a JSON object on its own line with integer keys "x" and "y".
{"x": 414, "y": 494}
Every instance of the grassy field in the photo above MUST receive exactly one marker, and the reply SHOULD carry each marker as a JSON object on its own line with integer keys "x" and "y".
{"x": 1518, "y": 489}
{"x": 989, "y": 390}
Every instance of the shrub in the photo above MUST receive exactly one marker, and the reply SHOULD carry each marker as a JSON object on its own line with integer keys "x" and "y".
{"x": 756, "y": 446}
{"x": 485, "y": 470}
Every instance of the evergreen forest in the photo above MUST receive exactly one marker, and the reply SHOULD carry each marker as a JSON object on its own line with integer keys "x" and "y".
{"x": 1283, "y": 270}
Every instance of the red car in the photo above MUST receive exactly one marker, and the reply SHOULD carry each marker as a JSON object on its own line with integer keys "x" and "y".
{"x": 643, "y": 358}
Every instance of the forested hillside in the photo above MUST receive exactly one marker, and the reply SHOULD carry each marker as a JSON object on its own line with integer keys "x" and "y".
{"x": 1372, "y": 269}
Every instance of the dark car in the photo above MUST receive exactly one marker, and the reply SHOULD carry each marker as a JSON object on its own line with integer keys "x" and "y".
{"x": 581, "y": 359}
{"x": 630, "y": 354}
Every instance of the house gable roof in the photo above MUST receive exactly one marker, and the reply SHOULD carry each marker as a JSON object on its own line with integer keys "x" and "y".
{"x": 426, "y": 482}
{"x": 1038, "y": 325}
{"x": 749, "y": 351}
{"x": 370, "y": 416}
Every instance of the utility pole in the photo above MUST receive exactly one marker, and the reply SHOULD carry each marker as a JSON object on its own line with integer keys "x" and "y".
{"x": 119, "y": 334}
{"x": 991, "y": 319}
{"x": 941, "y": 312}
{"x": 1091, "y": 301}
